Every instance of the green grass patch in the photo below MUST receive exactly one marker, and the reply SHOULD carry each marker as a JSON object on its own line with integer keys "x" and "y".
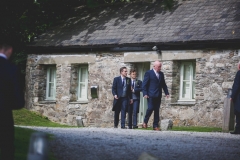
{"x": 22, "y": 140}
{"x": 192, "y": 129}
{"x": 197, "y": 129}
{"x": 25, "y": 117}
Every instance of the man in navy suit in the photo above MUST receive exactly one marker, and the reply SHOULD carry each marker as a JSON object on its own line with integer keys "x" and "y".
{"x": 235, "y": 97}
{"x": 11, "y": 97}
{"x": 133, "y": 109}
{"x": 153, "y": 84}
{"x": 121, "y": 90}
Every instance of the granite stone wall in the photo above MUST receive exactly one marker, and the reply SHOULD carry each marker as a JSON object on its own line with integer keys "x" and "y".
{"x": 95, "y": 112}
{"x": 215, "y": 72}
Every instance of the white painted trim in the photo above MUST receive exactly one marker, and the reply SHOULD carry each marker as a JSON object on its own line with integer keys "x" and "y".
{"x": 181, "y": 99}
{"x": 54, "y": 83}
{"x": 79, "y": 84}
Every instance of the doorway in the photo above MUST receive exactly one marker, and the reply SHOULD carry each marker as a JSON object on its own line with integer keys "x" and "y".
{"x": 141, "y": 69}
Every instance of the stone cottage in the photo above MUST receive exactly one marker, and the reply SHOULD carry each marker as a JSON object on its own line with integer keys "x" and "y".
{"x": 71, "y": 67}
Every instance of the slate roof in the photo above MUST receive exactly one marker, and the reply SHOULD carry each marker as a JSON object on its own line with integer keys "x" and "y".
{"x": 144, "y": 23}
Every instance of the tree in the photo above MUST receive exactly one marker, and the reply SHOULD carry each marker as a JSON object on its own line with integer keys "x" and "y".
{"x": 21, "y": 21}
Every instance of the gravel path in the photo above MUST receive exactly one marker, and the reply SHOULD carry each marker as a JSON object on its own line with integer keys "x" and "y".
{"x": 119, "y": 144}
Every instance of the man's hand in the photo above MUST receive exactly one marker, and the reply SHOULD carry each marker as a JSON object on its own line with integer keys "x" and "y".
{"x": 131, "y": 101}
{"x": 116, "y": 97}
{"x": 230, "y": 99}
{"x": 167, "y": 96}
{"x": 146, "y": 96}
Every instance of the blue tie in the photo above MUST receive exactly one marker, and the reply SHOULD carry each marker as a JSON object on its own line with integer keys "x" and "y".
{"x": 123, "y": 81}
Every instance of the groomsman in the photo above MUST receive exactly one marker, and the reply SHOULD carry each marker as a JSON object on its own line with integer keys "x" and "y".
{"x": 153, "y": 84}
{"x": 11, "y": 98}
{"x": 235, "y": 97}
{"x": 133, "y": 109}
{"x": 122, "y": 93}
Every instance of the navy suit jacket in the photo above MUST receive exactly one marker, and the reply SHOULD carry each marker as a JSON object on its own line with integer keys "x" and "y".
{"x": 11, "y": 93}
{"x": 236, "y": 92}
{"x": 137, "y": 88}
{"x": 152, "y": 86}
{"x": 117, "y": 89}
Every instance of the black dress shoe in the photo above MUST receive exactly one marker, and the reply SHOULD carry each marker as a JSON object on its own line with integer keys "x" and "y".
{"x": 235, "y": 132}
{"x": 129, "y": 127}
{"x": 123, "y": 127}
{"x": 134, "y": 127}
{"x": 115, "y": 127}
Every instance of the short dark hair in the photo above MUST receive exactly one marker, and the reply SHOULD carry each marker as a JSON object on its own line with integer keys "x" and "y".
{"x": 122, "y": 68}
{"x": 5, "y": 46}
{"x": 133, "y": 70}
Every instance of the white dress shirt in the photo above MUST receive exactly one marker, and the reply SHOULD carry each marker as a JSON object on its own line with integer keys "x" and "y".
{"x": 123, "y": 79}
{"x": 134, "y": 82}
{"x": 157, "y": 74}
{"x": 3, "y": 55}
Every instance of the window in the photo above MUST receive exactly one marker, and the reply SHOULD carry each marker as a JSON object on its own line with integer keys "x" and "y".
{"x": 187, "y": 81}
{"x": 83, "y": 83}
{"x": 51, "y": 83}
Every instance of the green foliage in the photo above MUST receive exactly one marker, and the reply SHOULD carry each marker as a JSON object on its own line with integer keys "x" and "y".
{"x": 22, "y": 21}
{"x": 22, "y": 140}
{"x": 27, "y": 118}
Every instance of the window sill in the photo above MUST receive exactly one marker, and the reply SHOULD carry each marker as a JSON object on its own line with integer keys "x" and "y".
{"x": 79, "y": 102}
{"x": 47, "y": 102}
{"x": 184, "y": 103}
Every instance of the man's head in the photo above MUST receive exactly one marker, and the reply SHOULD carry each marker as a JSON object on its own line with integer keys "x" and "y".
{"x": 157, "y": 66}
{"x": 133, "y": 73}
{"x": 6, "y": 49}
{"x": 123, "y": 71}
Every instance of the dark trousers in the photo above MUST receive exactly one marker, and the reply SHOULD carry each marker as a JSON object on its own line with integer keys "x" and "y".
{"x": 123, "y": 109}
{"x": 237, "y": 114}
{"x": 6, "y": 143}
{"x": 153, "y": 105}
{"x": 133, "y": 112}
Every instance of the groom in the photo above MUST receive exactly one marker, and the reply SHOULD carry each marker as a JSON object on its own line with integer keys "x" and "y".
{"x": 153, "y": 84}
{"x": 121, "y": 90}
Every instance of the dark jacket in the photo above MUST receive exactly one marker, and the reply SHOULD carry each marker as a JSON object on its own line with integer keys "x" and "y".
{"x": 137, "y": 88}
{"x": 152, "y": 86}
{"x": 117, "y": 89}
{"x": 11, "y": 93}
{"x": 236, "y": 92}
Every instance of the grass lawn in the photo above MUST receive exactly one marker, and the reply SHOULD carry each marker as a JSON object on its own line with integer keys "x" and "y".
{"x": 22, "y": 139}
{"x": 197, "y": 129}
{"x": 22, "y": 135}
{"x": 192, "y": 129}
{"x": 28, "y": 118}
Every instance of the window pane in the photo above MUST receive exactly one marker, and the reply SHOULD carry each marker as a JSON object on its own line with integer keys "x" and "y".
{"x": 194, "y": 69}
{"x": 186, "y": 90}
{"x": 50, "y": 89}
{"x": 193, "y": 90}
{"x": 51, "y": 75}
{"x": 83, "y": 76}
{"x": 50, "y": 92}
{"x": 186, "y": 72}
{"x": 82, "y": 91}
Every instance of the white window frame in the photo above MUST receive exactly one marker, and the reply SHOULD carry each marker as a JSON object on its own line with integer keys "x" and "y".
{"x": 191, "y": 79}
{"x": 54, "y": 83}
{"x": 79, "y": 83}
